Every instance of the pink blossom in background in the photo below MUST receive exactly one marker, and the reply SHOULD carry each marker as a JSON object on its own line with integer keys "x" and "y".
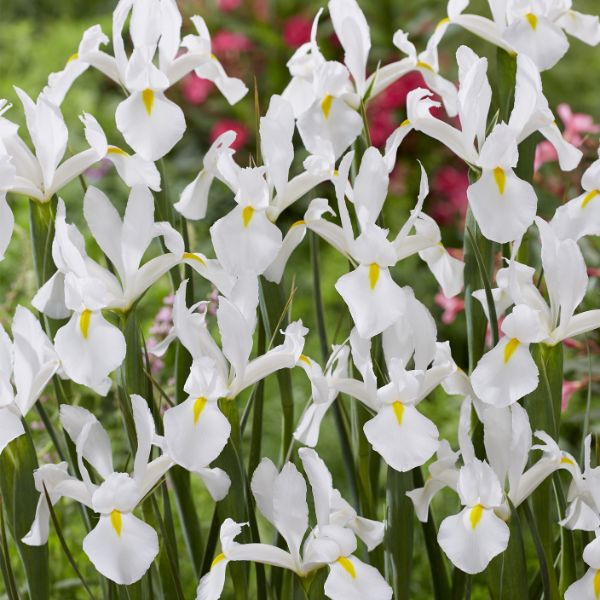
{"x": 296, "y": 31}
{"x": 381, "y": 122}
{"x": 450, "y": 184}
{"x": 394, "y": 96}
{"x": 225, "y": 125}
{"x": 452, "y": 307}
{"x": 576, "y": 125}
{"x": 196, "y": 89}
{"x": 229, "y": 5}
{"x": 230, "y": 43}
{"x": 568, "y": 389}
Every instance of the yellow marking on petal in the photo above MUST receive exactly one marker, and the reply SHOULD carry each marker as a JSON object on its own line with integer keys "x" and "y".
{"x": 117, "y": 521}
{"x": 148, "y": 100}
{"x": 297, "y": 223}
{"x": 589, "y": 197}
{"x": 405, "y": 123}
{"x": 305, "y": 359}
{"x": 475, "y": 515}
{"x": 532, "y": 20}
{"x": 373, "y": 275}
{"x": 336, "y": 173}
{"x": 326, "y": 105}
{"x": 213, "y": 57}
{"x": 597, "y": 584}
{"x": 399, "y": 411}
{"x": 348, "y": 566}
{"x": 72, "y": 58}
{"x": 217, "y": 560}
{"x": 500, "y": 177}
{"x": 510, "y": 348}
{"x": 192, "y": 256}
{"x": 199, "y": 406}
{"x": 84, "y": 323}
{"x": 247, "y": 214}
{"x": 443, "y": 22}
{"x": 116, "y": 150}
{"x": 565, "y": 460}
{"x": 424, "y": 65}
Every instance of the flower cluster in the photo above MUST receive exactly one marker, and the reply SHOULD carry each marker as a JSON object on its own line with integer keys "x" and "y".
{"x": 391, "y": 360}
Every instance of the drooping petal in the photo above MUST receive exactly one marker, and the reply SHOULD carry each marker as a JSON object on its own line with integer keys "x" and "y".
{"x": 351, "y": 579}
{"x": 472, "y": 538}
{"x": 403, "y": 436}
{"x": 505, "y": 373}
{"x": 196, "y": 432}
{"x": 121, "y": 547}
{"x": 90, "y": 348}
{"x": 150, "y": 123}
{"x": 375, "y": 300}
{"x": 11, "y": 427}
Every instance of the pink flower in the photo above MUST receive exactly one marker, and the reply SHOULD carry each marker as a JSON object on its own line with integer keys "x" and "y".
{"x": 451, "y": 184}
{"x": 225, "y": 125}
{"x": 195, "y": 89}
{"x": 229, "y": 5}
{"x": 296, "y": 31}
{"x": 229, "y": 42}
{"x": 576, "y": 125}
{"x": 394, "y": 96}
{"x": 381, "y": 123}
{"x": 452, "y": 307}
{"x": 568, "y": 389}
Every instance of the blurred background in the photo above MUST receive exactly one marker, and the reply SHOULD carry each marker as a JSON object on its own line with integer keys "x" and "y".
{"x": 254, "y": 39}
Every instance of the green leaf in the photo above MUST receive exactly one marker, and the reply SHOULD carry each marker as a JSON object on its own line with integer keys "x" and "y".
{"x": 17, "y": 463}
{"x": 399, "y": 533}
{"x": 507, "y": 573}
{"x": 506, "y": 72}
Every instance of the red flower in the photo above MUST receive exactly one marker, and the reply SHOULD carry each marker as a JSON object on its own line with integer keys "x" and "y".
{"x": 229, "y": 5}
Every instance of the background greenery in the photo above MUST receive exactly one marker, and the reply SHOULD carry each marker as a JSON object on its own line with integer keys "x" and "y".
{"x": 37, "y": 37}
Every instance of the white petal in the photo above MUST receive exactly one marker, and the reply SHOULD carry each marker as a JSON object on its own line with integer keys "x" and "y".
{"x": 471, "y": 548}
{"x": 505, "y": 373}
{"x": 217, "y": 482}
{"x": 196, "y": 432}
{"x": 503, "y": 205}
{"x": 320, "y": 481}
{"x": 403, "y": 436}
{"x": 7, "y": 222}
{"x": 584, "y": 588}
{"x": 90, "y": 359}
{"x": 151, "y": 132}
{"x": 584, "y": 27}
{"x": 10, "y": 428}
{"x": 375, "y": 300}
{"x": 245, "y": 241}
{"x": 351, "y": 579}
{"x": 578, "y": 217}
{"x": 122, "y": 557}
{"x": 291, "y": 241}
{"x": 545, "y": 44}
{"x": 211, "y": 585}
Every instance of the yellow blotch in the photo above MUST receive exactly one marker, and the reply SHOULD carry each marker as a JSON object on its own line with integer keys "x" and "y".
{"x": 510, "y": 348}
{"x": 72, "y": 58}
{"x": 117, "y": 150}
{"x": 217, "y": 560}
{"x": 500, "y": 177}
{"x": 374, "y": 270}
{"x": 326, "y": 105}
{"x": 116, "y": 521}
{"x": 443, "y": 22}
{"x": 148, "y": 100}
{"x": 475, "y": 515}
{"x": 247, "y": 214}
{"x": 565, "y": 460}
{"x": 336, "y": 173}
{"x": 199, "y": 406}
{"x": 532, "y": 20}
{"x": 405, "y": 123}
{"x": 424, "y": 65}
{"x": 84, "y": 323}
{"x": 192, "y": 256}
{"x": 398, "y": 411}
{"x": 597, "y": 584}
{"x": 589, "y": 197}
{"x": 348, "y": 566}
{"x": 297, "y": 223}
{"x": 305, "y": 359}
